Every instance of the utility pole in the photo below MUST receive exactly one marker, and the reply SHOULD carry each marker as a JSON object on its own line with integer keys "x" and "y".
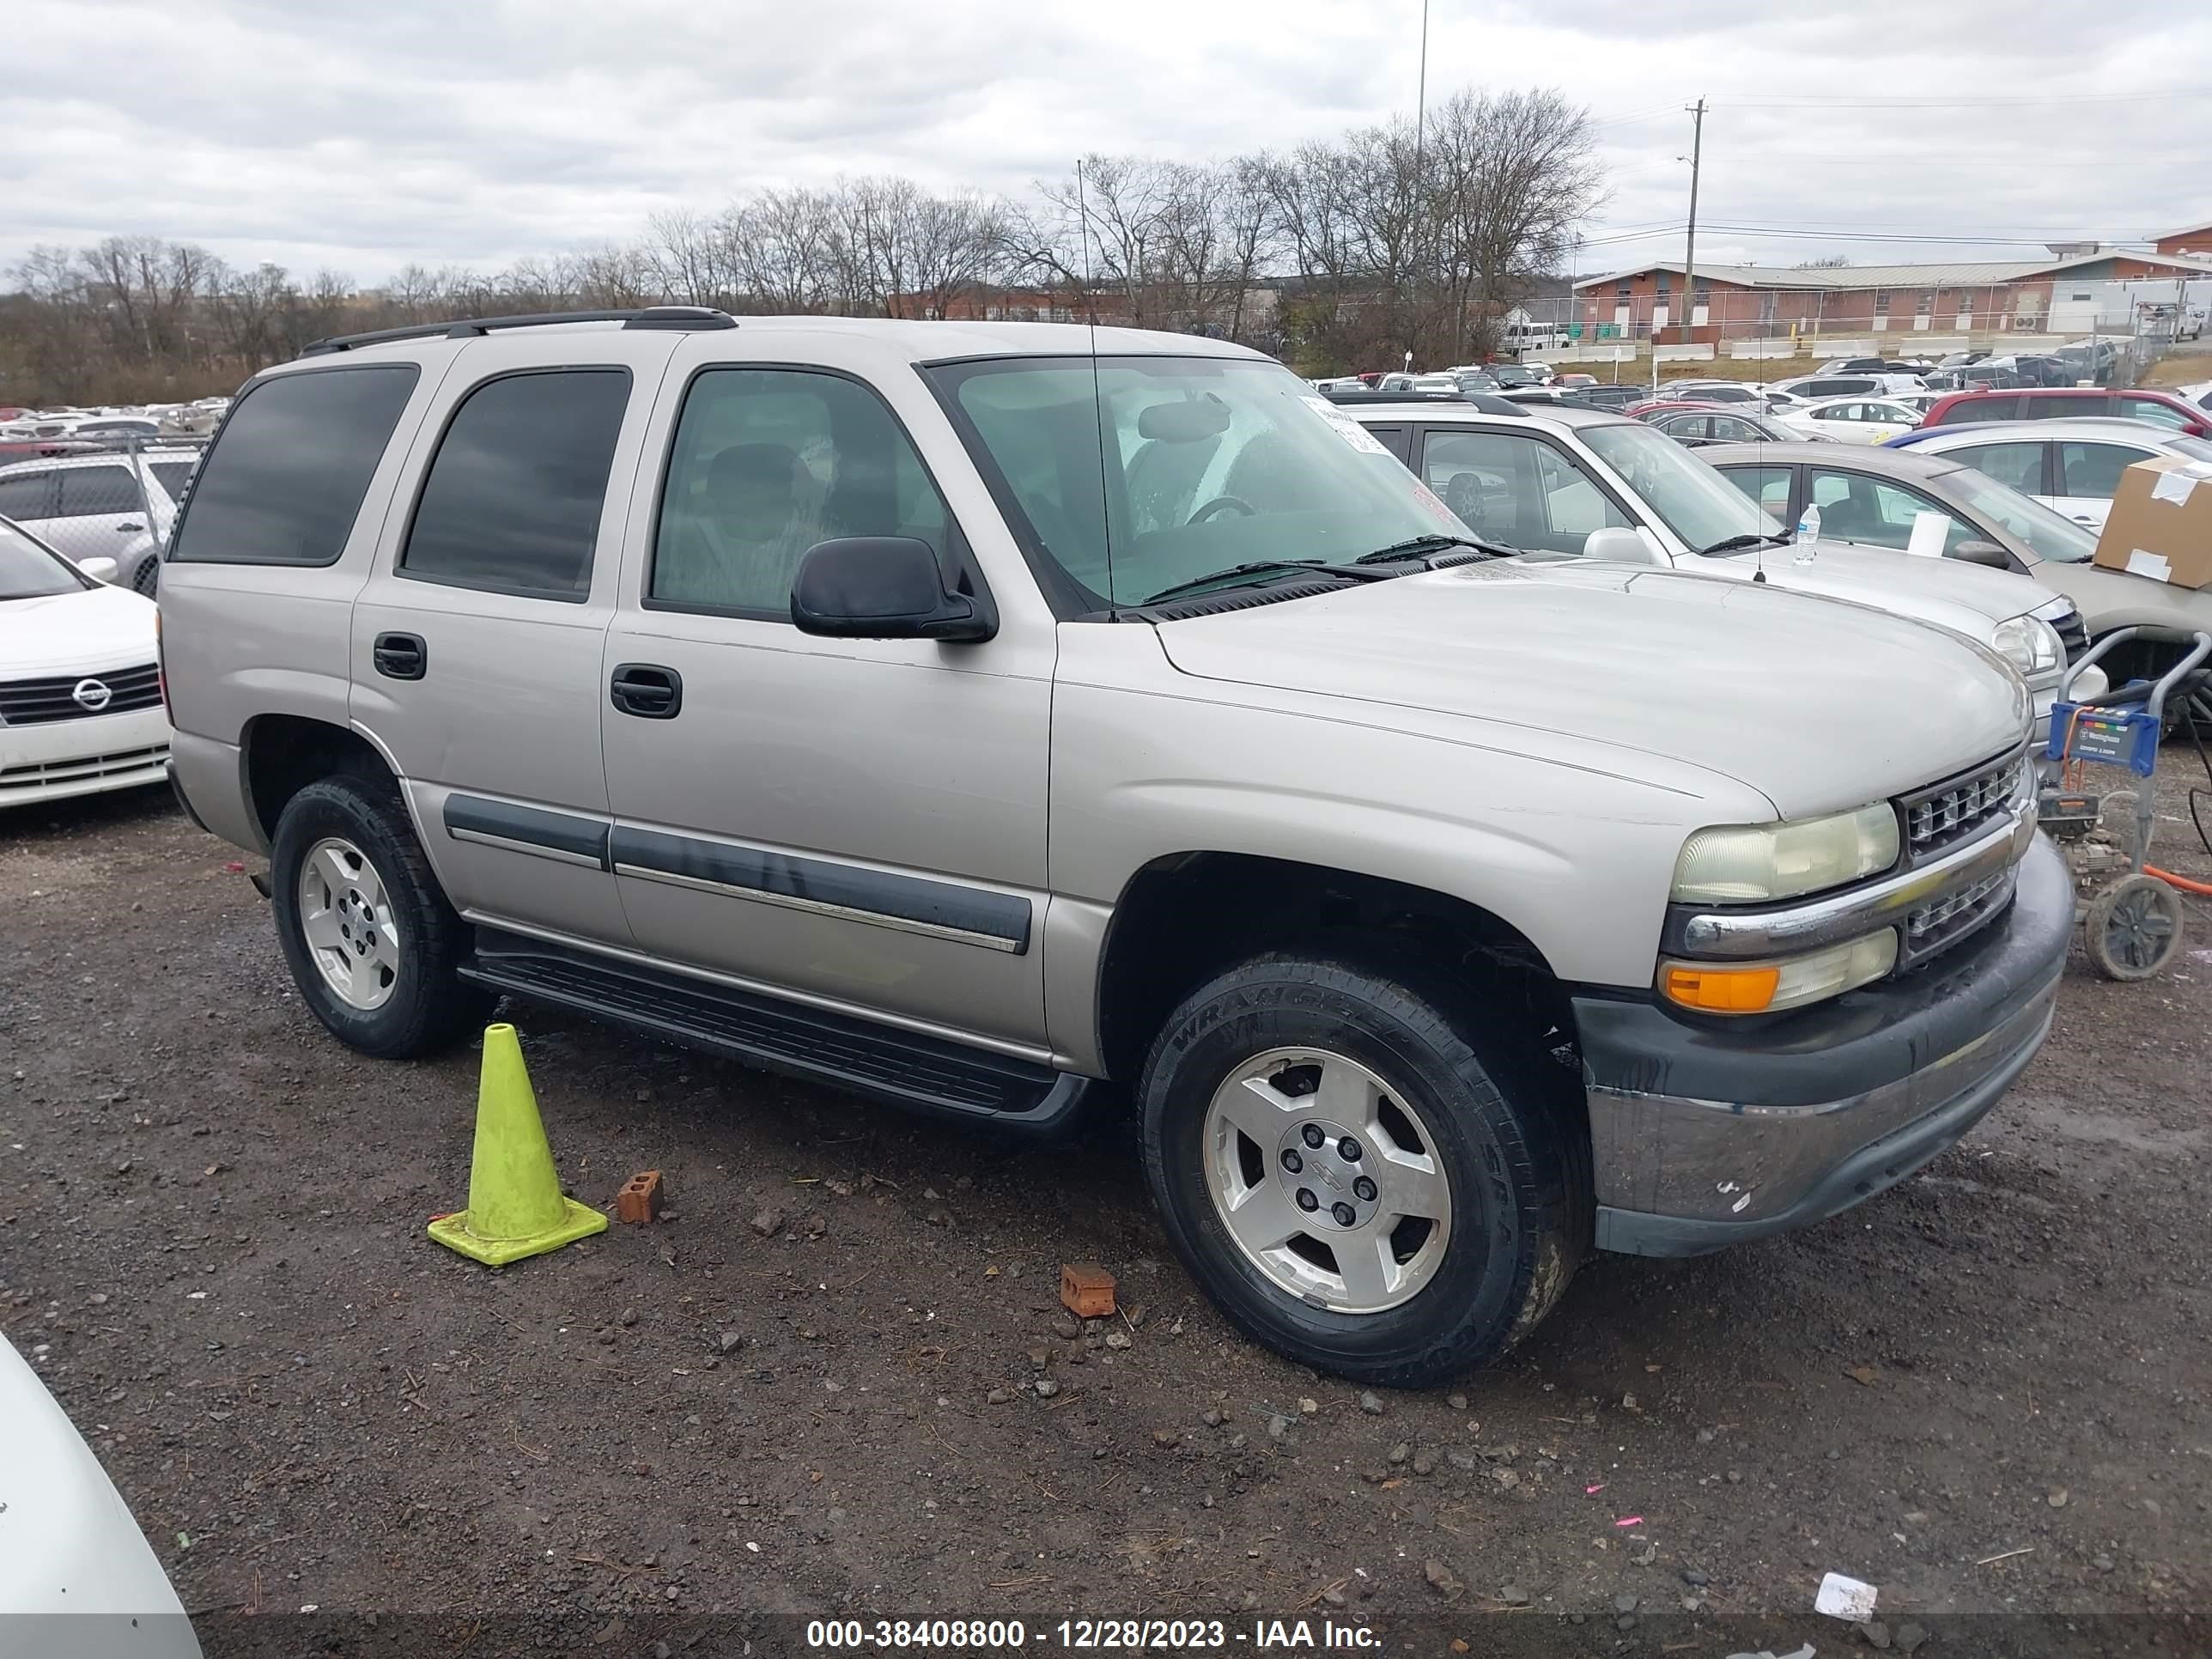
{"x": 1421, "y": 128}
{"x": 1690, "y": 249}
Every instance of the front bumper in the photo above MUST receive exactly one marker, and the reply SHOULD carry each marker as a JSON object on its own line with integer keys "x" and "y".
{"x": 2089, "y": 684}
{"x": 57, "y": 759}
{"x": 1707, "y": 1134}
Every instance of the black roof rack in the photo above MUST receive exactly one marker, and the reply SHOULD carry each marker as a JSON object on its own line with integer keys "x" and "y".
{"x": 673, "y": 317}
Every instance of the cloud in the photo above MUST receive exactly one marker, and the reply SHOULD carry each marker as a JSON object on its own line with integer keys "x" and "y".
{"x": 363, "y": 138}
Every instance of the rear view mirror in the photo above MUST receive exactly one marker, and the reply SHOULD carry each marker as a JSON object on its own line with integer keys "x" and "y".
{"x": 1988, "y": 553}
{"x": 1191, "y": 420}
{"x": 882, "y": 587}
{"x": 100, "y": 569}
{"x": 1615, "y": 545}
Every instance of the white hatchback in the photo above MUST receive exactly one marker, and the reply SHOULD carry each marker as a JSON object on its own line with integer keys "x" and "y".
{"x": 81, "y": 708}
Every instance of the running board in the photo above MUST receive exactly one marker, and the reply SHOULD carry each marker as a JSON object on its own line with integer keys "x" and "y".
{"x": 901, "y": 1068}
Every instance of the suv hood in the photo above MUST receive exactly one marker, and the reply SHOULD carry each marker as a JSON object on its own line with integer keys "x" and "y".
{"x": 1818, "y": 706}
{"x": 1970, "y": 599}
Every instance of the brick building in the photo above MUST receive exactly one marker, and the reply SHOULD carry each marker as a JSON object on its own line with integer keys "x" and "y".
{"x": 2070, "y": 294}
{"x": 2189, "y": 240}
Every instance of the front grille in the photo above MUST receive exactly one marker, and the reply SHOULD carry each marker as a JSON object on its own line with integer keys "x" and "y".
{"x": 41, "y": 703}
{"x": 1949, "y": 813}
{"x": 46, "y": 773}
{"x": 1951, "y": 918}
{"x": 2073, "y": 634}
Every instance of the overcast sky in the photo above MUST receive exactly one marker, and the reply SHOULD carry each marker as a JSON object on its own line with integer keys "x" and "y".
{"x": 362, "y": 137}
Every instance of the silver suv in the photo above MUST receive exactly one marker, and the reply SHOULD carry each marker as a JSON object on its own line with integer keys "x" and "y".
{"x": 991, "y": 718}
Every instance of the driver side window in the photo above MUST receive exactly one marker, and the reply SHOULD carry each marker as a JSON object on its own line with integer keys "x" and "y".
{"x": 766, "y": 463}
{"x": 1517, "y": 490}
{"x": 1876, "y": 513}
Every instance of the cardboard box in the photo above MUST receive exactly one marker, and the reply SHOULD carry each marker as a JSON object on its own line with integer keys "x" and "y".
{"x": 2160, "y": 525}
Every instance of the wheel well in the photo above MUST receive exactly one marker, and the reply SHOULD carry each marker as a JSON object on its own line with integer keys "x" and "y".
{"x": 1186, "y": 918}
{"x": 285, "y": 753}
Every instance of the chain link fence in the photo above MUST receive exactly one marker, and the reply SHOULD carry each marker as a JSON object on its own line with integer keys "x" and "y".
{"x": 106, "y": 488}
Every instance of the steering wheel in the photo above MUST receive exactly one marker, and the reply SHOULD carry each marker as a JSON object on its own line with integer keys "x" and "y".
{"x": 1217, "y": 504}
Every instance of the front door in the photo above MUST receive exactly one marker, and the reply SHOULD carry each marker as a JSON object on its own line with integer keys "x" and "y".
{"x": 859, "y": 823}
{"x": 476, "y": 642}
{"x": 2088, "y": 476}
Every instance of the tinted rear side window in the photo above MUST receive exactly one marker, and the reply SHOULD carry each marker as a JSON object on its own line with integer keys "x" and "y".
{"x": 513, "y": 501}
{"x": 92, "y": 492}
{"x": 283, "y": 484}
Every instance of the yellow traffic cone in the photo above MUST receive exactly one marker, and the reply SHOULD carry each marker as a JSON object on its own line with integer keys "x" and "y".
{"x": 515, "y": 1204}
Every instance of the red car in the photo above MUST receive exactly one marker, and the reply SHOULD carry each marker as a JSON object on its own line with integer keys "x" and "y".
{"x": 39, "y": 449}
{"x": 2071, "y": 402}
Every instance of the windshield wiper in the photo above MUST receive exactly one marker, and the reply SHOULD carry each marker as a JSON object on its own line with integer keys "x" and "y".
{"x": 1264, "y": 567}
{"x": 1413, "y": 545}
{"x": 1738, "y": 544}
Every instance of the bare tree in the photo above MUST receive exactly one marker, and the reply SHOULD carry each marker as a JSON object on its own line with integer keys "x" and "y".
{"x": 1342, "y": 253}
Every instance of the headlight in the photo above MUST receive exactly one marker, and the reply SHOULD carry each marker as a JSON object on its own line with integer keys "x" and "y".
{"x": 1768, "y": 988}
{"x": 1748, "y": 863}
{"x": 2030, "y": 645}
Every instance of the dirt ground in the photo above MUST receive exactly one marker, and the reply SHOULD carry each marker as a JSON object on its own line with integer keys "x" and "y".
{"x": 837, "y": 1382}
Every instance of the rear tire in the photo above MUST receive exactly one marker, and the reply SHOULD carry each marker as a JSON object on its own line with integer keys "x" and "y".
{"x": 1310, "y": 1038}
{"x": 371, "y": 940}
{"x": 148, "y": 576}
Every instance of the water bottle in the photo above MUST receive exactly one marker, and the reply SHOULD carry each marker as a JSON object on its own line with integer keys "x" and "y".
{"x": 1808, "y": 535}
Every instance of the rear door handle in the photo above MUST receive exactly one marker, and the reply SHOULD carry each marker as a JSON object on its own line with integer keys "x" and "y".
{"x": 646, "y": 691}
{"x": 401, "y": 656}
{"x": 125, "y": 529}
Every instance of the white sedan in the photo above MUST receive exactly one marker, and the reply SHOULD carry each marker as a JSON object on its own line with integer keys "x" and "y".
{"x": 77, "y": 1575}
{"x": 1851, "y": 419}
{"x": 81, "y": 706}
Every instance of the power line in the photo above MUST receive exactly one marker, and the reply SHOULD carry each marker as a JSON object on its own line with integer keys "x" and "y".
{"x": 1997, "y": 101}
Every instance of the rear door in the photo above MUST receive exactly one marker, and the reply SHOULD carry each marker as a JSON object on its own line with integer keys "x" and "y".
{"x": 476, "y": 642}
{"x": 99, "y": 511}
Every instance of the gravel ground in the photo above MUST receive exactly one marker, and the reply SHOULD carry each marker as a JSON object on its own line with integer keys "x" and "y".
{"x": 837, "y": 1381}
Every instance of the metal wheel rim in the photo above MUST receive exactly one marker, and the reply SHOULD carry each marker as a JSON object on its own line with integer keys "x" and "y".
{"x": 1398, "y": 1233}
{"x": 347, "y": 924}
{"x": 2138, "y": 931}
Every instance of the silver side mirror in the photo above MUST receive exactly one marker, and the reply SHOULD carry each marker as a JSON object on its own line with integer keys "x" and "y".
{"x": 1617, "y": 545}
{"x": 99, "y": 567}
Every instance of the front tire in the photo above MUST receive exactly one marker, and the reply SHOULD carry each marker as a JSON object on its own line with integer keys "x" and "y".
{"x": 1341, "y": 1169}
{"x": 371, "y": 941}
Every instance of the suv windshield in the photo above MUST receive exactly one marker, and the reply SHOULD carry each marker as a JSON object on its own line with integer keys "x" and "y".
{"x": 28, "y": 571}
{"x": 2048, "y": 535}
{"x": 1689, "y": 497}
{"x": 1136, "y": 474}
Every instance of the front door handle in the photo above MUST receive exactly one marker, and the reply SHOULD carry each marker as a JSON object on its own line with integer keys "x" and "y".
{"x": 401, "y": 656}
{"x": 128, "y": 529}
{"x": 646, "y": 691}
